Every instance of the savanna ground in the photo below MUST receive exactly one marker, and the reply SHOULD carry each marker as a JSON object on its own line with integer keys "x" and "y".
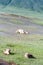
{"x": 21, "y": 43}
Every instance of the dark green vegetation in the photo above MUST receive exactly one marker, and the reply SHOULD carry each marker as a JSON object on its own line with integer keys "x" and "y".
{"x": 35, "y": 5}
{"x": 27, "y": 8}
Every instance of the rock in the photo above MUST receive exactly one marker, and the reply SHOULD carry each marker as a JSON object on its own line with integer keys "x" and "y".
{"x": 2, "y": 62}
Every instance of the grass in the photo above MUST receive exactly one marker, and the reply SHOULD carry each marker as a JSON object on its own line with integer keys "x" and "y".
{"x": 35, "y": 17}
{"x": 37, "y": 21}
{"x": 28, "y": 43}
{"x": 20, "y": 44}
{"x": 14, "y": 21}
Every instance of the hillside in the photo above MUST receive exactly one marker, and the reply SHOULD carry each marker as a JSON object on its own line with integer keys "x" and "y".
{"x": 34, "y": 5}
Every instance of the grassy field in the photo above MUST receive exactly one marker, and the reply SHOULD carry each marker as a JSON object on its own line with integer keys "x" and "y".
{"x": 36, "y": 17}
{"x": 37, "y": 21}
{"x": 19, "y": 46}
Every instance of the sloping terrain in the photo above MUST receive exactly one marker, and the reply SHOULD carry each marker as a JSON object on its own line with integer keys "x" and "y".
{"x": 34, "y": 5}
{"x": 26, "y": 15}
{"x": 21, "y": 43}
{"x": 9, "y": 25}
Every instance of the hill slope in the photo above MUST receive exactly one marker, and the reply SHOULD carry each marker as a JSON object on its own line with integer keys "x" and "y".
{"x": 31, "y": 4}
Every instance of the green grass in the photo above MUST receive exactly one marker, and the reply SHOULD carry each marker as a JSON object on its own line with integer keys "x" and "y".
{"x": 27, "y": 43}
{"x": 14, "y": 21}
{"x": 34, "y": 16}
{"x": 20, "y": 44}
{"x": 37, "y": 21}
{"x": 22, "y": 12}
